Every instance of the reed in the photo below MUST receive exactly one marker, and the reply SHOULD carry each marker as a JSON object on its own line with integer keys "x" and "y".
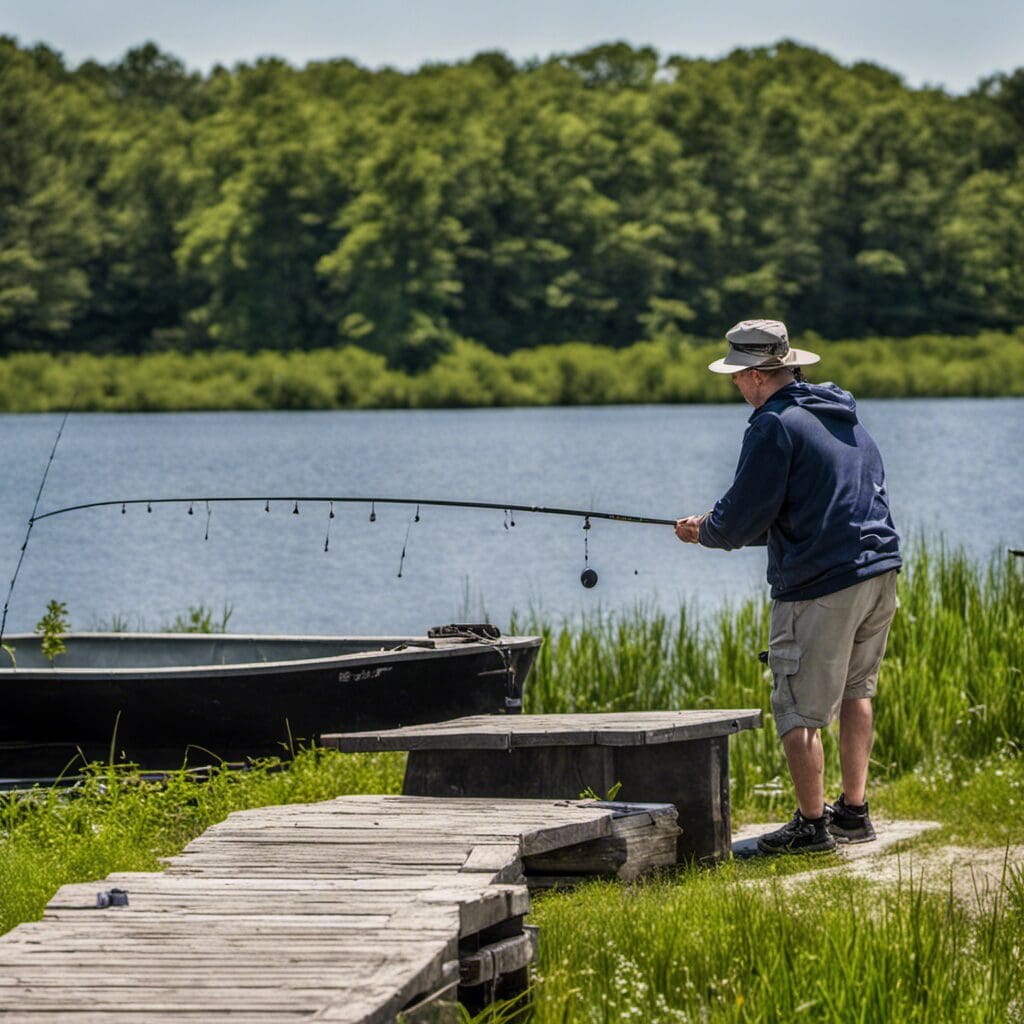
{"x": 950, "y": 691}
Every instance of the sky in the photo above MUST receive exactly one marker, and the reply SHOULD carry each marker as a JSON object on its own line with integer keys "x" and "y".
{"x": 947, "y": 43}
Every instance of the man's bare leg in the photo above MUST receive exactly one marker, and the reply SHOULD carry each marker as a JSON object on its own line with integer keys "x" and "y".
{"x": 856, "y": 735}
{"x": 806, "y": 762}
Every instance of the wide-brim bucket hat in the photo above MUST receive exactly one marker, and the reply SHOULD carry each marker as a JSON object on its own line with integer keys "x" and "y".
{"x": 761, "y": 345}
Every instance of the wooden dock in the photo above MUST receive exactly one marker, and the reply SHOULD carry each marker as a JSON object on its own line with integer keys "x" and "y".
{"x": 659, "y": 757}
{"x": 351, "y": 910}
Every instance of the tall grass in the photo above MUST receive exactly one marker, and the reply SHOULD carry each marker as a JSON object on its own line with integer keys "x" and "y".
{"x": 114, "y": 820}
{"x": 711, "y": 947}
{"x": 951, "y": 688}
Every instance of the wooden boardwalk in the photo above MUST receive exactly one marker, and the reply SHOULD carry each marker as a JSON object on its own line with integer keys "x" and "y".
{"x": 353, "y": 909}
{"x": 662, "y": 757}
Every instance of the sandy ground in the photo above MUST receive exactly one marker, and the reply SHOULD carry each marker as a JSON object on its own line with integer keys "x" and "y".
{"x": 976, "y": 876}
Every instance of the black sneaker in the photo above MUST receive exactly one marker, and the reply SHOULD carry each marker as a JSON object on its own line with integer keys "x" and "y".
{"x": 851, "y": 824}
{"x": 801, "y": 835}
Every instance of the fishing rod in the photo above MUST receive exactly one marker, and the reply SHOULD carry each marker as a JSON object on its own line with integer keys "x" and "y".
{"x": 588, "y": 577}
{"x": 367, "y": 500}
{"x": 32, "y": 520}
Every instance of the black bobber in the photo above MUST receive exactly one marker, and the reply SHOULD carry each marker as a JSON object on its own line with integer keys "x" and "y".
{"x": 588, "y": 577}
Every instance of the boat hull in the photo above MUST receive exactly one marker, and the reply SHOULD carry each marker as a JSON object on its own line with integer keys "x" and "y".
{"x": 158, "y": 710}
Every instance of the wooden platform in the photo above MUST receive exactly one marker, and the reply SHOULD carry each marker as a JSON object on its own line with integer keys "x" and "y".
{"x": 675, "y": 757}
{"x": 350, "y": 910}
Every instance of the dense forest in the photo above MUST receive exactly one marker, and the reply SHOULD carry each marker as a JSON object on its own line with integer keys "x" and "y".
{"x": 613, "y": 196}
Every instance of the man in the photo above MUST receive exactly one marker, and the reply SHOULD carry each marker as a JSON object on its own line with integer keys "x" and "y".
{"x": 810, "y": 485}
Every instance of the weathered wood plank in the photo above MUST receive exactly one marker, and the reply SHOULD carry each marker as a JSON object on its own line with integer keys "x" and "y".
{"x": 496, "y": 959}
{"x": 86, "y": 1015}
{"x": 340, "y": 911}
{"x": 498, "y": 732}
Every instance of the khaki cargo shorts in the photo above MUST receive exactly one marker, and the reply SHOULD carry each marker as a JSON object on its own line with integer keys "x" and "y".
{"x": 827, "y": 650}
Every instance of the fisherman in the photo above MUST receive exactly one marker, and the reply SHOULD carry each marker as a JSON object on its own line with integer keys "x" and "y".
{"x": 810, "y": 485}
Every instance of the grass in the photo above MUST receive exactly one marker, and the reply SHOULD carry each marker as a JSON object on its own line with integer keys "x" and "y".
{"x": 980, "y": 803}
{"x": 711, "y": 947}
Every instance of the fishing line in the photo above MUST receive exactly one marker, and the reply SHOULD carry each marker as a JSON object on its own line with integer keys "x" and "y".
{"x": 327, "y": 536}
{"x": 405, "y": 543}
{"x": 32, "y": 518}
{"x": 588, "y": 577}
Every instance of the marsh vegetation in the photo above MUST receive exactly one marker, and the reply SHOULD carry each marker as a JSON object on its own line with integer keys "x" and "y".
{"x": 671, "y": 370}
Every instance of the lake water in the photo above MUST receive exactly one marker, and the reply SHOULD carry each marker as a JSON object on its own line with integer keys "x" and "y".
{"x": 953, "y": 468}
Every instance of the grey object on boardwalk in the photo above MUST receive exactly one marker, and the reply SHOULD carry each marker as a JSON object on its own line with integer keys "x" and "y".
{"x": 350, "y": 910}
{"x": 672, "y": 757}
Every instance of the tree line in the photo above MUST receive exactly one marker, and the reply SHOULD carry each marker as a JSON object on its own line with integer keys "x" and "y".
{"x": 989, "y": 364}
{"x": 607, "y": 197}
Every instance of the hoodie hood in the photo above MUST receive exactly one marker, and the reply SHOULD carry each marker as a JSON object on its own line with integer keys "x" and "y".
{"x": 821, "y": 399}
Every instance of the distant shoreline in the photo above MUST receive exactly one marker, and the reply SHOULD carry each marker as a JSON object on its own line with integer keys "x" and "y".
{"x": 666, "y": 371}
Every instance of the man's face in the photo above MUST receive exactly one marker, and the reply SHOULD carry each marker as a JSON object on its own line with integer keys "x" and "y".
{"x": 747, "y": 382}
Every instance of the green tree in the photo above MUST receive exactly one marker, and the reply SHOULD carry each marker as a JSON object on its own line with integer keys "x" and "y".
{"x": 393, "y": 271}
{"x": 258, "y": 215}
{"x": 49, "y": 230}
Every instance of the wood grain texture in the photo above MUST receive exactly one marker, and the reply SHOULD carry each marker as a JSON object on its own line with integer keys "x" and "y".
{"x": 505, "y": 732}
{"x": 348, "y": 910}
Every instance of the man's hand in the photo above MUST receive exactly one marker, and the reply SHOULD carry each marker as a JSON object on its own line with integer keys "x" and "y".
{"x": 688, "y": 529}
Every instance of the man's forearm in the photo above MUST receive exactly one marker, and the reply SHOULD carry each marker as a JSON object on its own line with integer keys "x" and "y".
{"x": 710, "y": 535}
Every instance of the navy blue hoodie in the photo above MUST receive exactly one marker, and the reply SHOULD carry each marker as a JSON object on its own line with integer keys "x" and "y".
{"x": 810, "y": 484}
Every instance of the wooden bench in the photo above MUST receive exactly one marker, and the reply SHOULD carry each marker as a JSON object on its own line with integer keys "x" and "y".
{"x": 674, "y": 757}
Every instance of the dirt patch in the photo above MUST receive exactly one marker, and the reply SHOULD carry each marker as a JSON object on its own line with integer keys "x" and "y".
{"x": 974, "y": 875}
